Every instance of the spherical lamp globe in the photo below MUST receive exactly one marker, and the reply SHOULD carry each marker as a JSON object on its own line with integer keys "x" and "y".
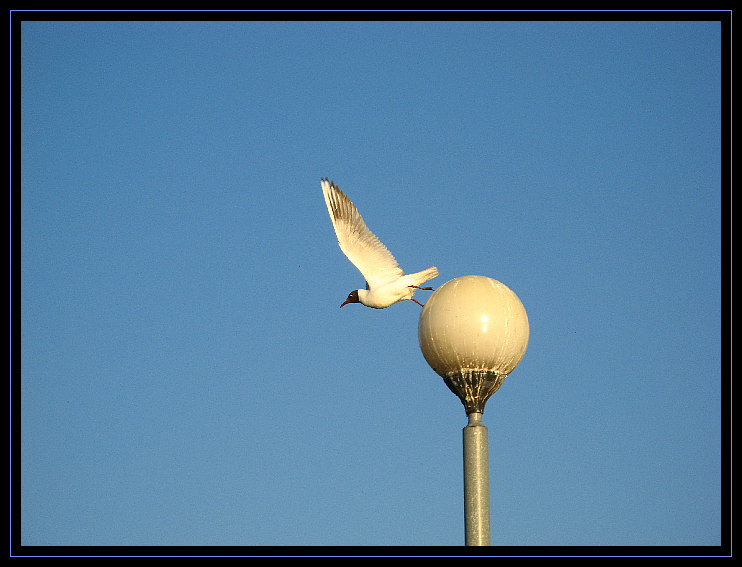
{"x": 473, "y": 331}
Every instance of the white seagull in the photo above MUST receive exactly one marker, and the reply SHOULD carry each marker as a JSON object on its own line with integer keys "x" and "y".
{"x": 386, "y": 283}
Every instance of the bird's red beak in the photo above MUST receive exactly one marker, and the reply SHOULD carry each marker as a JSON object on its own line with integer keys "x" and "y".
{"x": 344, "y": 303}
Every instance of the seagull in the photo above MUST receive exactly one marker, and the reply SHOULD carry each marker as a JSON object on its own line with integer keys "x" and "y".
{"x": 386, "y": 283}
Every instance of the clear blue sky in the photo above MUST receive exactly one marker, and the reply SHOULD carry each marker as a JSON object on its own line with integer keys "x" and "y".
{"x": 186, "y": 374}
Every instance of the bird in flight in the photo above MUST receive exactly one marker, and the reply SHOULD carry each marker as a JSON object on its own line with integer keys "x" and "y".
{"x": 386, "y": 283}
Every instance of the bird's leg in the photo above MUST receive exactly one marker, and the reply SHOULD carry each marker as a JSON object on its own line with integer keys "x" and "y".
{"x": 417, "y": 287}
{"x": 416, "y": 301}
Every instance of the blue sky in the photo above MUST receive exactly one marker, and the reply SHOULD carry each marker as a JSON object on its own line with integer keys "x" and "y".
{"x": 186, "y": 375}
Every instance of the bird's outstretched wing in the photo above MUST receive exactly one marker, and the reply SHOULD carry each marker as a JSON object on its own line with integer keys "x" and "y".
{"x": 359, "y": 244}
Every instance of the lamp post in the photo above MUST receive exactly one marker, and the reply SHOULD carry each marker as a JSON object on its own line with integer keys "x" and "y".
{"x": 473, "y": 332}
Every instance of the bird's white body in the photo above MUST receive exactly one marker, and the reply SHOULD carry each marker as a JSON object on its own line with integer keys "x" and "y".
{"x": 386, "y": 283}
{"x": 393, "y": 291}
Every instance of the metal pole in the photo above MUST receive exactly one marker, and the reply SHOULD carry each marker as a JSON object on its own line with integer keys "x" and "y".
{"x": 476, "y": 482}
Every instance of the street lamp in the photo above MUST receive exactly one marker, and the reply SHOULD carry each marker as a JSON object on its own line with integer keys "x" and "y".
{"x": 473, "y": 332}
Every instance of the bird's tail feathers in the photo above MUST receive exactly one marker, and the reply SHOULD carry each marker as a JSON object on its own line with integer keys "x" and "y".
{"x": 425, "y": 275}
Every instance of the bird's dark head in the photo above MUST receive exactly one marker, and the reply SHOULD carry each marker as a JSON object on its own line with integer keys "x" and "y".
{"x": 352, "y": 298}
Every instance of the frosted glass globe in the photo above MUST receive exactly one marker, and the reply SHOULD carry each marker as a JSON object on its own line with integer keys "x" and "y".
{"x": 473, "y": 326}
